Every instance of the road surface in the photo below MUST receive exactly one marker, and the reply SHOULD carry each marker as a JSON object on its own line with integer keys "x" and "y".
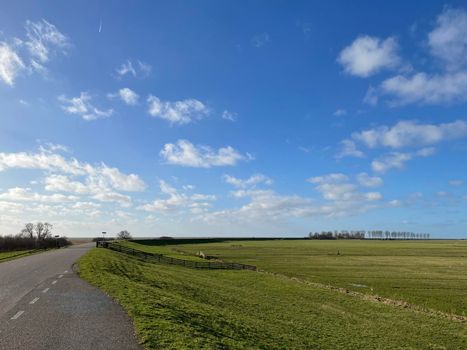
{"x": 45, "y": 305}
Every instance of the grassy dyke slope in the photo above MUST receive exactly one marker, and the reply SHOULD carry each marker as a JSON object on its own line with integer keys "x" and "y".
{"x": 5, "y": 256}
{"x": 178, "y": 308}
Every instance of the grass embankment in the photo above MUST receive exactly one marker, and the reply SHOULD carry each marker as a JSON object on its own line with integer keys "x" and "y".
{"x": 430, "y": 274}
{"x": 167, "y": 250}
{"x": 4, "y": 256}
{"x": 178, "y": 308}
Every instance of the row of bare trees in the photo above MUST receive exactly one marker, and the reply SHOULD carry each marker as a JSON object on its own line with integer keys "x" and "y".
{"x": 33, "y": 236}
{"x": 396, "y": 235}
{"x": 337, "y": 235}
{"x": 343, "y": 234}
{"x": 41, "y": 230}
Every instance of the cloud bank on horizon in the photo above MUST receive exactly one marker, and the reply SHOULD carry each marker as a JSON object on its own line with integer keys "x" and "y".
{"x": 266, "y": 130}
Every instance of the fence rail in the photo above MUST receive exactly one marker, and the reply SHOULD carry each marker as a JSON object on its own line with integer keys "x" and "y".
{"x": 215, "y": 265}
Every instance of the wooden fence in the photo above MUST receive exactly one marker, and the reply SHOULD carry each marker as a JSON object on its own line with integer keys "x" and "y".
{"x": 154, "y": 257}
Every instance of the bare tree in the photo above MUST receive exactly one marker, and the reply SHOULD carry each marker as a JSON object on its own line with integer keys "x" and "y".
{"x": 47, "y": 230}
{"x": 28, "y": 230}
{"x": 39, "y": 228}
{"x": 43, "y": 230}
{"x": 124, "y": 235}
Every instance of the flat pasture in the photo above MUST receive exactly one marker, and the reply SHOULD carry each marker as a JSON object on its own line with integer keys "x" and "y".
{"x": 430, "y": 274}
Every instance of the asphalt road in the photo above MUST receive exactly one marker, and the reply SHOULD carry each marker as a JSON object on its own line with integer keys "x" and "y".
{"x": 45, "y": 305}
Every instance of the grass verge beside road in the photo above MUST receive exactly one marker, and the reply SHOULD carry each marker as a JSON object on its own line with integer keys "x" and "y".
{"x": 178, "y": 308}
{"x": 5, "y": 256}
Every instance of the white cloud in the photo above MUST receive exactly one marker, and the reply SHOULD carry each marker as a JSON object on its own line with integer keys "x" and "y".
{"x": 61, "y": 183}
{"x": 227, "y": 115}
{"x": 100, "y": 179}
{"x": 368, "y": 55}
{"x": 127, "y": 95}
{"x": 25, "y": 194}
{"x": 57, "y": 163}
{"x": 411, "y": 133}
{"x": 305, "y": 27}
{"x": 349, "y": 149}
{"x": 340, "y": 112}
{"x": 83, "y": 107}
{"x": 260, "y": 40}
{"x": 336, "y": 191}
{"x": 404, "y": 134}
{"x": 252, "y": 181}
{"x": 427, "y": 89}
{"x": 329, "y": 178}
{"x": 265, "y": 206}
{"x": 369, "y": 181}
{"x": 178, "y": 201}
{"x": 11, "y": 207}
{"x": 123, "y": 200}
{"x": 178, "y": 112}
{"x": 448, "y": 44}
{"x": 42, "y": 161}
{"x": 86, "y": 205}
{"x": 136, "y": 69}
{"x": 340, "y": 198}
{"x": 10, "y": 64}
{"x": 95, "y": 186}
{"x": 397, "y": 160}
{"x": 448, "y": 41}
{"x": 456, "y": 182}
{"x": 43, "y": 38}
{"x": 336, "y": 187}
{"x": 49, "y": 147}
{"x": 371, "y": 96}
{"x": 120, "y": 181}
{"x": 186, "y": 154}
{"x": 425, "y": 152}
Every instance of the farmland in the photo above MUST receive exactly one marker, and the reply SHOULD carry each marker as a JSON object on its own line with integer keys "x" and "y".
{"x": 287, "y": 306}
{"x": 431, "y": 274}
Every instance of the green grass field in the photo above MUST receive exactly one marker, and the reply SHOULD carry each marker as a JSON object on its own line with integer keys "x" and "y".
{"x": 431, "y": 274}
{"x": 178, "y": 308}
{"x": 4, "y": 256}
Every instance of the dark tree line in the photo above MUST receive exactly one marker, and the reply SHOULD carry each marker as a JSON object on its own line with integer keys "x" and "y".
{"x": 396, "y": 235}
{"x": 38, "y": 236}
{"x": 367, "y": 235}
{"x": 337, "y": 235}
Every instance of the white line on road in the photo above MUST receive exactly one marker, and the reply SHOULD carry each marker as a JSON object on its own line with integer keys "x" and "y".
{"x": 65, "y": 271}
{"x": 60, "y": 276}
{"x": 53, "y": 282}
{"x": 18, "y": 314}
{"x": 33, "y": 301}
{"x": 45, "y": 290}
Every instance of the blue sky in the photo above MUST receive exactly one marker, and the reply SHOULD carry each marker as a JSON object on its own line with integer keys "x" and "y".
{"x": 224, "y": 118}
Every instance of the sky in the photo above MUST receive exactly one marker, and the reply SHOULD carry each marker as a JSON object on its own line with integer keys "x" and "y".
{"x": 228, "y": 118}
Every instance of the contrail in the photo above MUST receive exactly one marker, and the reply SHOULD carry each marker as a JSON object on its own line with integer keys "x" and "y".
{"x": 100, "y": 26}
